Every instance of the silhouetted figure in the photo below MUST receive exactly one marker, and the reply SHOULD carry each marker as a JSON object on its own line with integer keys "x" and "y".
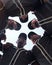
{"x": 42, "y": 48}
{"x": 17, "y": 55}
{"x": 42, "y": 9}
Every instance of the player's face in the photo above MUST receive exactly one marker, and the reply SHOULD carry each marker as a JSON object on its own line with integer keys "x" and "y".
{"x": 34, "y": 38}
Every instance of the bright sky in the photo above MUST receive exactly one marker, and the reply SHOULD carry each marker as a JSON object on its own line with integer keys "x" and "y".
{"x": 12, "y": 35}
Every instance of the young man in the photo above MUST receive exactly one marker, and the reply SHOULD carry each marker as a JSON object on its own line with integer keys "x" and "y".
{"x": 33, "y": 24}
{"x": 27, "y": 56}
{"x": 7, "y": 49}
{"x": 17, "y": 56}
{"x": 42, "y": 48}
{"x": 13, "y": 25}
{"x": 21, "y": 41}
{"x": 33, "y": 36}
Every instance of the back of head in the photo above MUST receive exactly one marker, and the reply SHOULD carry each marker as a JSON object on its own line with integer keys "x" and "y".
{"x": 8, "y": 45}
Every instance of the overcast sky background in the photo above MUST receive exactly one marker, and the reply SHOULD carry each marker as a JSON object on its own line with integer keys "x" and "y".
{"x": 12, "y": 35}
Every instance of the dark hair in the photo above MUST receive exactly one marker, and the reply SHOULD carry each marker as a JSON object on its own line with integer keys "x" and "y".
{"x": 30, "y": 27}
{"x": 23, "y": 35}
{"x": 8, "y": 45}
{"x": 25, "y": 20}
{"x": 30, "y": 34}
{"x": 18, "y": 26}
